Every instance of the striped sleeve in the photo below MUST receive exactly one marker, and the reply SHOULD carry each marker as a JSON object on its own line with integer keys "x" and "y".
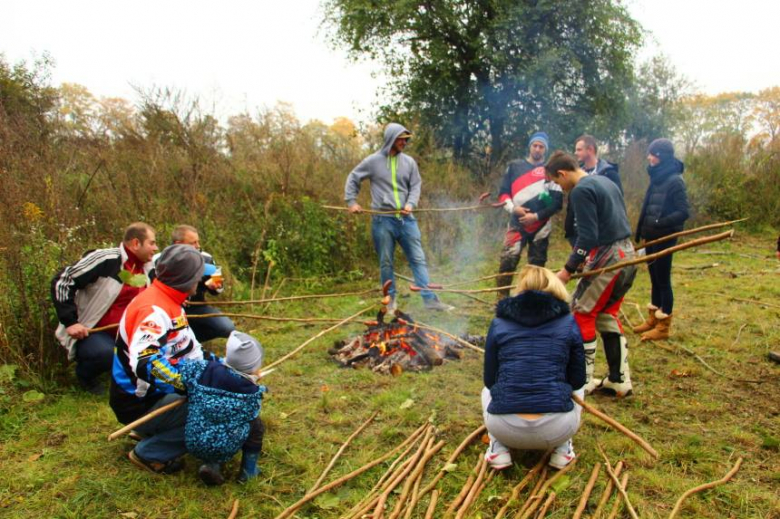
{"x": 93, "y": 265}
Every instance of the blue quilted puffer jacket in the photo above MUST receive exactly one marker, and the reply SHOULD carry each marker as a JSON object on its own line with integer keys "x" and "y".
{"x": 221, "y": 405}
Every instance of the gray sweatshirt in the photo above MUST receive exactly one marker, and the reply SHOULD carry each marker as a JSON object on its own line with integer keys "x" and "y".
{"x": 376, "y": 168}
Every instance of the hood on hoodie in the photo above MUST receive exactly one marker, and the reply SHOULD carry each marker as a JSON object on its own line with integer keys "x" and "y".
{"x": 660, "y": 172}
{"x": 392, "y": 131}
{"x": 532, "y": 308}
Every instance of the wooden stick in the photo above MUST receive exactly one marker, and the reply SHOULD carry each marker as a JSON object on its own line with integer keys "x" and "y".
{"x": 320, "y": 334}
{"x": 370, "y": 499}
{"x": 432, "y": 505}
{"x": 414, "y": 477}
{"x": 341, "y": 451}
{"x": 380, "y": 506}
{"x": 481, "y": 461}
{"x": 145, "y": 418}
{"x": 447, "y": 334}
{"x": 234, "y": 510}
{"x": 655, "y": 256}
{"x": 267, "y": 278}
{"x": 419, "y": 210}
{"x": 531, "y": 509}
{"x": 279, "y": 299}
{"x": 466, "y": 291}
{"x": 616, "y": 505}
{"x": 617, "y": 483}
{"x": 586, "y": 493}
{"x": 523, "y": 483}
{"x": 706, "y": 486}
{"x": 607, "y": 491}
{"x": 615, "y": 425}
{"x": 476, "y": 488}
{"x": 691, "y": 231}
{"x": 534, "y": 494}
{"x": 478, "y": 431}
{"x": 741, "y": 300}
{"x": 473, "y": 298}
{"x": 308, "y": 497}
{"x": 415, "y": 496}
{"x": 546, "y": 506}
{"x": 477, "y": 280}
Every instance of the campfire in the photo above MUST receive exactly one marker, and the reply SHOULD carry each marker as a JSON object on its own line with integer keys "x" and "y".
{"x": 395, "y": 346}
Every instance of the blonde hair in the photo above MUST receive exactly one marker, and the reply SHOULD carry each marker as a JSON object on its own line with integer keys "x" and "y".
{"x": 543, "y": 280}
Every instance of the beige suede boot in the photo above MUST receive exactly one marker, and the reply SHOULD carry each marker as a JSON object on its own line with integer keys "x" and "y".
{"x": 662, "y": 330}
{"x": 650, "y": 322}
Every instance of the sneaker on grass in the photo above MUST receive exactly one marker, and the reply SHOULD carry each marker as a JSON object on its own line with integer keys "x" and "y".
{"x": 562, "y": 455}
{"x": 435, "y": 304}
{"x": 157, "y": 467}
{"x": 498, "y": 456}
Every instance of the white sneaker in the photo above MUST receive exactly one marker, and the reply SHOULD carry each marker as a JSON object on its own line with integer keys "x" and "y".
{"x": 498, "y": 456}
{"x": 562, "y": 455}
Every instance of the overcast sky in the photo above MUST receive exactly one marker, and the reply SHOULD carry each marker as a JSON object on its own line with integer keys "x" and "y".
{"x": 242, "y": 54}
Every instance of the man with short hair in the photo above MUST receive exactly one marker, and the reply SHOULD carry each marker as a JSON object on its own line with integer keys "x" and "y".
{"x": 586, "y": 150}
{"x": 154, "y": 338}
{"x": 603, "y": 239}
{"x": 531, "y": 200}
{"x": 93, "y": 293}
{"x": 205, "y": 328}
{"x": 395, "y": 187}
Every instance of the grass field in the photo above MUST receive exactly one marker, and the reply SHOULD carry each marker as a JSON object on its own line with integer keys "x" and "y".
{"x": 55, "y": 460}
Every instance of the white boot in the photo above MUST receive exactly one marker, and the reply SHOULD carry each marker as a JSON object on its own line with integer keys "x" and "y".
{"x": 590, "y": 359}
{"x": 621, "y": 387}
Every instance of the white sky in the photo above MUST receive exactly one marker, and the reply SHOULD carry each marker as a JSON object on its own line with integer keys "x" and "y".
{"x": 243, "y": 54}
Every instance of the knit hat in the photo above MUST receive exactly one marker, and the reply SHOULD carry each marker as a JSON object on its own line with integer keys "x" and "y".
{"x": 662, "y": 149}
{"x": 180, "y": 267}
{"x": 243, "y": 353}
{"x": 540, "y": 137}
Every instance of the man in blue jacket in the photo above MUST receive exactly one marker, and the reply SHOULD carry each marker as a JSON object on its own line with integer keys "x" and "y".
{"x": 395, "y": 188}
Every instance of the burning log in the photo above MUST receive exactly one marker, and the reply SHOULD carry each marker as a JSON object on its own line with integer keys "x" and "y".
{"x": 393, "y": 347}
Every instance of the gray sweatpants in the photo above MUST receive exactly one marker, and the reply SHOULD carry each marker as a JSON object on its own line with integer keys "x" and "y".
{"x": 515, "y": 432}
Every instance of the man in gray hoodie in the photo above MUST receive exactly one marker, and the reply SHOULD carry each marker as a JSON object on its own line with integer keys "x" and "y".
{"x": 395, "y": 186}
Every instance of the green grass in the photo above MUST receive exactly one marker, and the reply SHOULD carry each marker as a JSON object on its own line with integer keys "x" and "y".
{"x": 55, "y": 460}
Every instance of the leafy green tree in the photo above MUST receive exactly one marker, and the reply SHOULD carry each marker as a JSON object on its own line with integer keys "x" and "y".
{"x": 486, "y": 73}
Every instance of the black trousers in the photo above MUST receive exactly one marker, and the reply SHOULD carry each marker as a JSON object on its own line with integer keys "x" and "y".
{"x": 661, "y": 294}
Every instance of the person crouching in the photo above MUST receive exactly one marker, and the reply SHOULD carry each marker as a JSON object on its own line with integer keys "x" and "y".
{"x": 534, "y": 360}
{"x": 224, "y": 407}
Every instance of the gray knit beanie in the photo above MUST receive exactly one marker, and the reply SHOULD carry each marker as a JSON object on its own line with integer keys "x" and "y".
{"x": 180, "y": 267}
{"x": 244, "y": 353}
{"x": 662, "y": 149}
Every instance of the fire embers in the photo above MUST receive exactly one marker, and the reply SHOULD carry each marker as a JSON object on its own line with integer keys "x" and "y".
{"x": 395, "y": 347}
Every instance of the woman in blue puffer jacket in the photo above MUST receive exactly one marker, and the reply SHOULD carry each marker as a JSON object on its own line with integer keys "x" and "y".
{"x": 534, "y": 360}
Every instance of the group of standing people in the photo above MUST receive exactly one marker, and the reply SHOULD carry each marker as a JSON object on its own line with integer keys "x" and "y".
{"x": 541, "y": 347}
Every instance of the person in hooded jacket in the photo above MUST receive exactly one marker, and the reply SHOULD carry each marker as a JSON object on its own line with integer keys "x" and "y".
{"x": 395, "y": 187}
{"x": 534, "y": 360}
{"x": 664, "y": 211}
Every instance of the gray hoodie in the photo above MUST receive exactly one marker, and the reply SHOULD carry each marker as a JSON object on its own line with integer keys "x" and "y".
{"x": 376, "y": 168}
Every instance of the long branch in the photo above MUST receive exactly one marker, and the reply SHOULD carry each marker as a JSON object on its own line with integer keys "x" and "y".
{"x": 655, "y": 256}
{"x": 615, "y": 425}
{"x": 417, "y": 210}
{"x": 443, "y": 470}
{"x": 586, "y": 493}
{"x": 706, "y": 486}
{"x": 607, "y": 491}
{"x": 691, "y": 231}
{"x": 320, "y": 334}
{"x": 279, "y": 299}
{"x": 547, "y": 484}
{"x": 341, "y": 451}
{"x": 446, "y": 334}
{"x": 308, "y": 497}
{"x": 621, "y": 488}
{"x": 523, "y": 483}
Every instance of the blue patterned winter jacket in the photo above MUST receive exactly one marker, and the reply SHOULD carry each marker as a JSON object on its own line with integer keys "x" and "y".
{"x": 221, "y": 404}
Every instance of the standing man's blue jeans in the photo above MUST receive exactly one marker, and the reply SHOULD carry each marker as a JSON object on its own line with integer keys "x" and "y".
{"x": 95, "y": 355}
{"x": 386, "y": 231}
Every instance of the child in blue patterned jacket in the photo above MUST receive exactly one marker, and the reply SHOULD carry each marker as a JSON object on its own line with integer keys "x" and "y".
{"x": 224, "y": 403}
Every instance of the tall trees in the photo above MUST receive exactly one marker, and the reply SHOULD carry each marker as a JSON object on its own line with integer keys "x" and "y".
{"x": 492, "y": 71}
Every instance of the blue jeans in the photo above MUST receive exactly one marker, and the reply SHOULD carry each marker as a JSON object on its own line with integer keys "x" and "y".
{"x": 95, "y": 355}
{"x": 386, "y": 231}
{"x": 164, "y": 435}
{"x": 209, "y": 327}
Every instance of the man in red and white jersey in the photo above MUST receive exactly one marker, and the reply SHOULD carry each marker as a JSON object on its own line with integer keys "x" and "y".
{"x": 531, "y": 200}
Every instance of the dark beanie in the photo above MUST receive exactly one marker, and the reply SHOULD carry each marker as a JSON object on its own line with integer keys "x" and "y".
{"x": 180, "y": 266}
{"x": 663, "y": 149}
